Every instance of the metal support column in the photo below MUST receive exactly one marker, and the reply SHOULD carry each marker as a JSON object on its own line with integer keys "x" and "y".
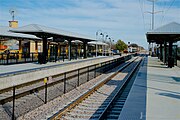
{"x": 45, "y": 93}
{"x": 69, "y": 50}
{"x": 59, "y": 50}
{"x": 49, "y": 50}
{"x": 13, "y": 109}
{"x": 20, "y": 49}
{"x": 161, "y": 55}
{"x": 78, "y": 78}
{"x": 170, "y": 57}
{"x": 88, "y": 74}
{"x": 165, "y": 51}
{"x": 36, "y": 49}
{"x": 85, "y": 49}
{"x": 45, "y": 52}
{"x": 64, "y": 52}
{"x": 64, "y": 83}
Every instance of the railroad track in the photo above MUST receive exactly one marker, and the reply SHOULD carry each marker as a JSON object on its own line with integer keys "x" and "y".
{"x": 32, "y": 94}
{"x": 99, "y": 102}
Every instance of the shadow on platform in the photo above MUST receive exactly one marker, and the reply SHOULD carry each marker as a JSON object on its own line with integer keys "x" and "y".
{"x": 169, "y": 95}
{"x": 177, "y": 79}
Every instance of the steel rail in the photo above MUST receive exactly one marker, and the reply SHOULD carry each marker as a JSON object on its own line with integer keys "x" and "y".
{"x": 88, "y": 93}
{"x": 120, "y": 90}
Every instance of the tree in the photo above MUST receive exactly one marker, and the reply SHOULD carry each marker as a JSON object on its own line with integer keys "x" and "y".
{"x": 121, "y": 46}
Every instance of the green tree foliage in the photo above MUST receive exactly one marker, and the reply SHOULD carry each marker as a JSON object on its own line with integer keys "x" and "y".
{"x": 121, "y": 46}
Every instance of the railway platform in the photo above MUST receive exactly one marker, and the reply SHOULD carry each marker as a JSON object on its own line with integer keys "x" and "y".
{"x": 13, "y": 75}
{"x": 155, "y": 94}
{"x": 24, "y": 67}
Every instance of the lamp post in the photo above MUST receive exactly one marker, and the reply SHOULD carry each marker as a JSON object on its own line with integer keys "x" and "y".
{"x": 105, "y": 36}
{"x": 111, "y": 40}
{"x": 97, "y": 33}
{"x": 102, "y": 41}
{"x": 105, "y": 42}
{"x": 110, "y": 46}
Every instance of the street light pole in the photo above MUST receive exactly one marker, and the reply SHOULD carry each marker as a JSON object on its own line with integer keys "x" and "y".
{"x": 96, "y": 42}
{"x": 96, "y": 39}
{"x": 111, "y": 41}
{"x": 110, "y": 46}
{"x": 105, "y": 38}
{"x": 102, "y": 41}
{"x": 105, "y": 42}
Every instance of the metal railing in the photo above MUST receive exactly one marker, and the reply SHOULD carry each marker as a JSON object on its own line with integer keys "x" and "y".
{"x": 14, "y": 58}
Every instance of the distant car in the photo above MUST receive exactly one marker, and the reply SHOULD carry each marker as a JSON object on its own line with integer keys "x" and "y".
{"x": 116, "y": 52}
{"x": 125, "y": 51}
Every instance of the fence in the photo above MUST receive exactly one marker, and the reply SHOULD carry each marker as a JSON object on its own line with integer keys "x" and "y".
{"x": 14, "y": 58}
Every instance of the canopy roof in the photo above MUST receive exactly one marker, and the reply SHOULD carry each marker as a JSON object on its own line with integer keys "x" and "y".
{"x": 98, "y": 43}
{"x": 6, "y": 34}
{"x": 43, "y": 31}
{"x": 168, "y": 32}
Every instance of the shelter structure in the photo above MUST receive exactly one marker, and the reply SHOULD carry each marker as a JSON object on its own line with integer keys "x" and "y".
{"x": 99, "y": 47}
{"x": 44, "y": 33}
{"x": 165, "y": 36}
{"x": 7, "y": 37}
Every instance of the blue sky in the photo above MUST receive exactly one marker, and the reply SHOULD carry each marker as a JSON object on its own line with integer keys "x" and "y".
{"x": 121, "y": 19}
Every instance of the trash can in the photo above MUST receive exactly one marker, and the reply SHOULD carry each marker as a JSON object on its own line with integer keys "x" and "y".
{"x": 41, "y": 58}
{"x": 170, "y": 62}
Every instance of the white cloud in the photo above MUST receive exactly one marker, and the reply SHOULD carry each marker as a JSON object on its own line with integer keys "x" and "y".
{"x": 121, "y": 19}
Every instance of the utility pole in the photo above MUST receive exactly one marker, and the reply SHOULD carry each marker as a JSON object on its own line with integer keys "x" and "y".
{"x": 153, "y": 13}
{"x": 153, "y": 20}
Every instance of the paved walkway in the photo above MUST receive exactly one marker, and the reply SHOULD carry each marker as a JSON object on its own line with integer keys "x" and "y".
{"x": 155, "y": 94}
{"x": 23, "y": 73}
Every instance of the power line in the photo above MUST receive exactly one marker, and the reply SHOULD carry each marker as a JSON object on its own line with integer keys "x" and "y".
{"x": 168, "y": 9}
{"x": 141, "y": 7}
{"x": 171, "y": 5}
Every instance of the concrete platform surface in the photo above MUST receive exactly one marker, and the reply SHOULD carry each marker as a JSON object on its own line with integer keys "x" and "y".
{"x": 23, "y": 73}
{"x": 155, "y": 94}
{"x": 24, "y": 67}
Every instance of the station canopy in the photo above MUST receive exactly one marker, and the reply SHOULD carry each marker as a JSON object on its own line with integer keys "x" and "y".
{"x": 46, "y": 32}
{"x": 169, "y": 32}
{"x": 5, "y": 34}
{"x": 97, "y": 42}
